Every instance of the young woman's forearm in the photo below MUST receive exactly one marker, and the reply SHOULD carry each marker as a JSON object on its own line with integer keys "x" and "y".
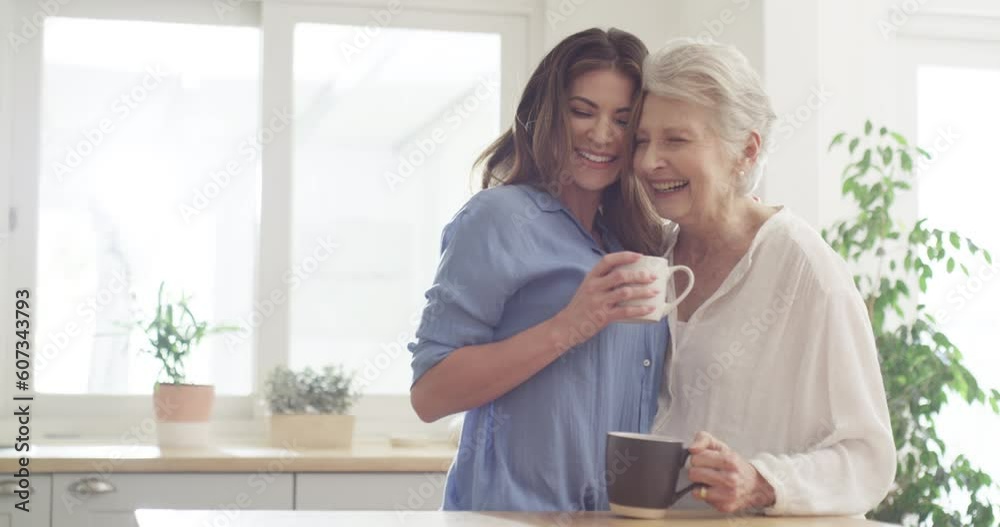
{"x": 472, "y": 376}
{"x": 475, "y": 375}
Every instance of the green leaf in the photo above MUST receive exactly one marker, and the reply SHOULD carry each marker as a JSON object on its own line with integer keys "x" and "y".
{"x": 849, "y": 185}
{"x": 886, "y": 156}
{"x": 951, "y": 264}
{"x": 899, "y": 138}
{"x": 955, "y": 240}
{"x": 868, "y": 127}
{"x": 923, "y": 152}
{"x": 853, "y": 144}
{"x": 837, "y": 139}
{"x": 989, "y": 259}
{"x": 882, "y": 131}
{"x": 866, "y": 160}
{"x": 906, "y": 162}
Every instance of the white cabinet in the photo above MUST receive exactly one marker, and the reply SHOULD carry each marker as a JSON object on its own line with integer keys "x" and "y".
{"x": 39, "y": 503}
{"x": 91, "y": 500}
{"x": 370, "y": 491}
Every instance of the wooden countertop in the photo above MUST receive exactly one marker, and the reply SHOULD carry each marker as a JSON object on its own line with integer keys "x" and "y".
{"x": 374, "y": 457}
{"x": 170, "y": 518}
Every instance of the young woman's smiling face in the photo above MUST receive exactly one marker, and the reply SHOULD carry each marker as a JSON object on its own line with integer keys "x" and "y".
{"x": 599, "y": 105}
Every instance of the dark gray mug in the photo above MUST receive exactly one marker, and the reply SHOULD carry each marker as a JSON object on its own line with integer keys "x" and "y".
{"x": 642, "y": 474}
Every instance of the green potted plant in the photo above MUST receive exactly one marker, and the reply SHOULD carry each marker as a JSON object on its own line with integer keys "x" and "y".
{"x": 182, "y": 410}
{"x": 310, "y": 409}
{"x": 921, "y": 367}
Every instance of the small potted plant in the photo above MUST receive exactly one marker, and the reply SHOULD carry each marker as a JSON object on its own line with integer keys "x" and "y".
{"x": 182, "y": 410}
{"x": 310, "y": 409}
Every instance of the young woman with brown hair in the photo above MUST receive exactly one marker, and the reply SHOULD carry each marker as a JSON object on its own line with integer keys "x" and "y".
{"x": 519, "y": 326}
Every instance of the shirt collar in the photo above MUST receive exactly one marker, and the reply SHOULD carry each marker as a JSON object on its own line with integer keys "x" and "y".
{"x": 546, "y": 202}
{"x": 543, "y": 199}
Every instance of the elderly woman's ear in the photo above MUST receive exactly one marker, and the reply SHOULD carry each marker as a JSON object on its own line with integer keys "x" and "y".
{"x": 751, "y": 150}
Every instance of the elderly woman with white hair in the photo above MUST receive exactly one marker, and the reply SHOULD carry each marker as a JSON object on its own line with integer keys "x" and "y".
{"x": 773, "y": 371}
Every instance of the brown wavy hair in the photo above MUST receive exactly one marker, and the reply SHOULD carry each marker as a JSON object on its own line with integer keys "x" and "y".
{"x": 536, "y": 149}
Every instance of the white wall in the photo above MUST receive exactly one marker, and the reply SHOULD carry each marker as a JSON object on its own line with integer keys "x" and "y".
{"x": 6, "y": 107}
{"x": 652, "y": 21}
{"x": 6, "y": 69}
{"x": 657, "y": 21}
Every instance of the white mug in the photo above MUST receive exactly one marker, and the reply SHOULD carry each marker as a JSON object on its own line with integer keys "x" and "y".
{"x": 663, "y": 271}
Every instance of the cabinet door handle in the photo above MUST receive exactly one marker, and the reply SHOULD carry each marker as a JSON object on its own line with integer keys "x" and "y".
{"x": 9, "y": 486}
{"x": 91, "y": 486}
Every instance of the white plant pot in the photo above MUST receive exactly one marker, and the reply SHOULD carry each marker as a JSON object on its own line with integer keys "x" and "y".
{"x": 183, "y": 435}
{"x": 297, "y": 431}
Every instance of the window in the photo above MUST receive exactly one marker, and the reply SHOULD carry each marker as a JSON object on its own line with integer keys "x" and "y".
{"x": 297, "y": 188}
{"x": 385, "y": 139}
{"x": 954, "y": 95}
{"x": 148, "y": 173}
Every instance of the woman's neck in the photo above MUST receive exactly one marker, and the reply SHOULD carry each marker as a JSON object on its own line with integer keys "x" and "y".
{"x": 583, "y": 204}
{"x": 728, "y": 229}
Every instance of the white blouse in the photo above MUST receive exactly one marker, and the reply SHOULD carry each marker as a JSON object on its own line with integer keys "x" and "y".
{"x": 780, "y": 364}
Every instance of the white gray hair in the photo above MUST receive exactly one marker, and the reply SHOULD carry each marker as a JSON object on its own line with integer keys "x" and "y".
{"x": 720, "y": 78}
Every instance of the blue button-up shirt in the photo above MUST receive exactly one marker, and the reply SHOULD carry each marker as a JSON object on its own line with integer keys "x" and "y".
{"x": 512, "y": 258}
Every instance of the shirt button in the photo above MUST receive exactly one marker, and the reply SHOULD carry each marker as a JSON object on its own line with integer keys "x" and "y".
{"x": 647, "y": 363}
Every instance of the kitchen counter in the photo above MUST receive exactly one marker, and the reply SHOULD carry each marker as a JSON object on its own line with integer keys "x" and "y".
{"x": 365, "y": 457}
{"x": 170, "y": 518}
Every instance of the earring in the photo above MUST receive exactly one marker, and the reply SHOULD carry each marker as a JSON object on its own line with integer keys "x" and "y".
{"x": 743, "y": 173}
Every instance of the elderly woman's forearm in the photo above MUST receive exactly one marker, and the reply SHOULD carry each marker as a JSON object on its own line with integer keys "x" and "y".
{"x": 849, "y": 477}
{"x": 472, "y": 376}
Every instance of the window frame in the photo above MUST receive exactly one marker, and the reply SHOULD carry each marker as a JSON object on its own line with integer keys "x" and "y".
{"x": 235, "y": 418}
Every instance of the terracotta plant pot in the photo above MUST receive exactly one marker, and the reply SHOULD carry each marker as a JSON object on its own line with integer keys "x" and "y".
{"x": 182, "y": 414}
{"x": 312, "y": 431}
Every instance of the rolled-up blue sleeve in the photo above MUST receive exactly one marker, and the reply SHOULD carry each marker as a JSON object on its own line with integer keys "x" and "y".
{"x": 474, "y": 279}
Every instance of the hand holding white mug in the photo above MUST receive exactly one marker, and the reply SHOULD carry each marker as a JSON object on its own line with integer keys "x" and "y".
{"x": 605, "y": 293}
{"x": 661, "y": 305}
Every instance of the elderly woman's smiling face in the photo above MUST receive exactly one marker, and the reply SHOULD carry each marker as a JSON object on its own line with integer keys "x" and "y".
{"x": 687, "y": 169}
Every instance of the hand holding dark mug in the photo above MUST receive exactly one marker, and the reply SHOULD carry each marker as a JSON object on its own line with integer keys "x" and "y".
{"x": 730, "y": 483}
{"x": 642, "y": 474}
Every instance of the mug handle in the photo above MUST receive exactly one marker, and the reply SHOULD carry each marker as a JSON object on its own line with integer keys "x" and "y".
{"x": 680, "y": 493}
{"x": 670, "y": 306}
